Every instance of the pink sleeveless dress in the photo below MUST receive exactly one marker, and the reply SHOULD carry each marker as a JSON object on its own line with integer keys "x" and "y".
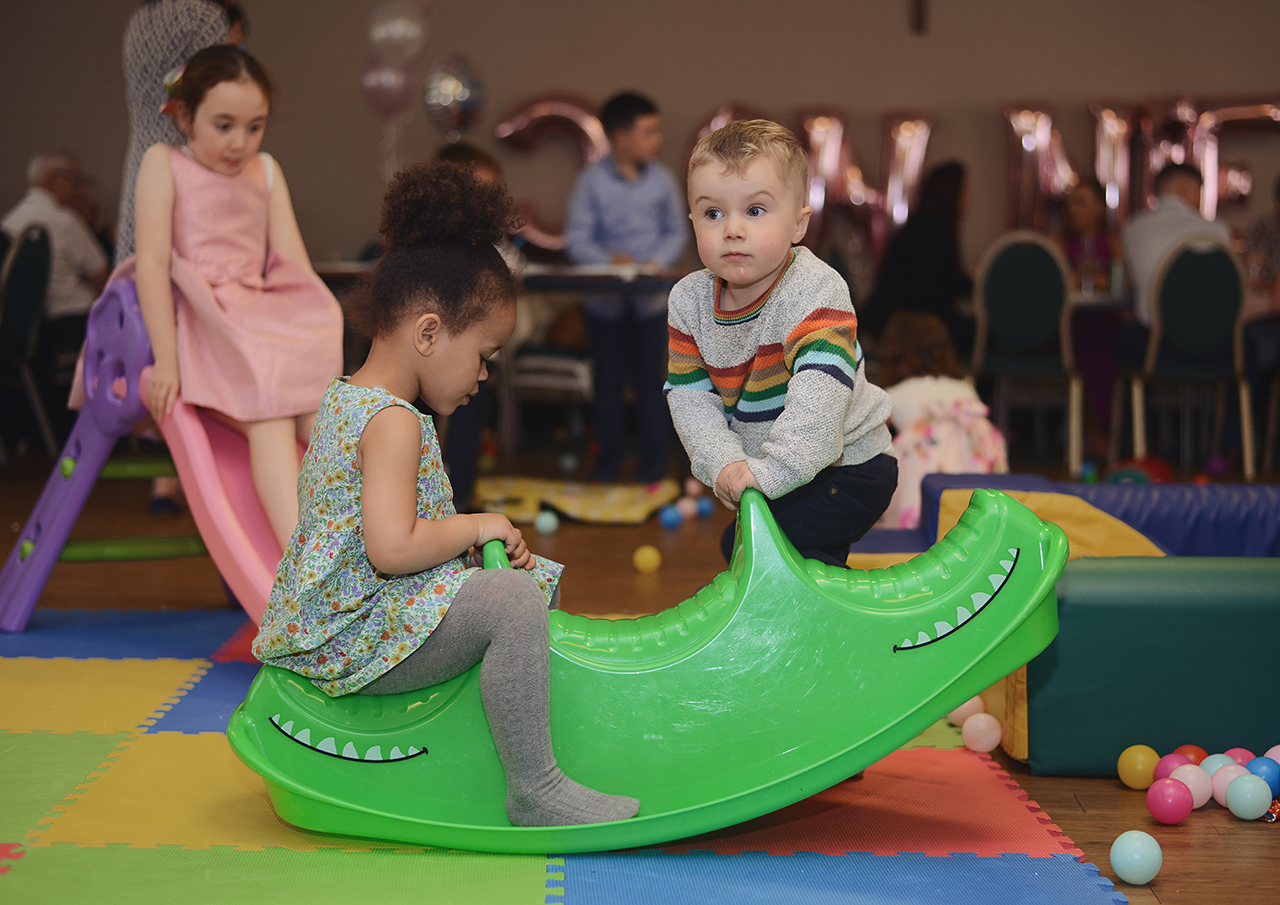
{"x": 259, "y": 335}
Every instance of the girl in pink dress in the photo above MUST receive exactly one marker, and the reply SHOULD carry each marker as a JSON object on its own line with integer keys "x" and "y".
{"x": 238, "y": 320}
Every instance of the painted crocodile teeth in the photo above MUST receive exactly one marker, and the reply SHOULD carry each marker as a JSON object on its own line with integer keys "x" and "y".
{"x": 980, "y": 600}
{"x": 329, "y": 746}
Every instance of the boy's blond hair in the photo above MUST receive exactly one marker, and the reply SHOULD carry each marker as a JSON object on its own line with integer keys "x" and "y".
{"x": 737, "y": 144}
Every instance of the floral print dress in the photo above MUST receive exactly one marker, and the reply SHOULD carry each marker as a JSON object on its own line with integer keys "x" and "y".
{"x": 332, "y": 617}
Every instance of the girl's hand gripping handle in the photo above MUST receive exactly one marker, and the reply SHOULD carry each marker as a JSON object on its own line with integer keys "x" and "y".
{"x": 495, "y": 556}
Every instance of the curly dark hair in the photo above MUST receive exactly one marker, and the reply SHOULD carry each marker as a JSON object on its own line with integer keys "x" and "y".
{"x": 440, "y": 227}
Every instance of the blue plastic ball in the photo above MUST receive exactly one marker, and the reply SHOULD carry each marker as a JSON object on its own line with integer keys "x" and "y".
{"x": 546, "y": 522}
{"x": 1136, "y": 857}
{"x": 1214, "y": 761}
{"x": 706, "y": 506}
{"x": 1269, "y": 770}
{"x": 670, "y": 517}
{"x": 1089, "y": 472}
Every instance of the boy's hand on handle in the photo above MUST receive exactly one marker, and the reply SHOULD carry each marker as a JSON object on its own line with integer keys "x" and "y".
{"x": 162, "y": 391}
{"x": 492, "y": 526}
{"x": 732, "y": 480}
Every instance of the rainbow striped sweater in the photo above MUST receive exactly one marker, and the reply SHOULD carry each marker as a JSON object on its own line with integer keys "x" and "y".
{"x": 780, "y": 383}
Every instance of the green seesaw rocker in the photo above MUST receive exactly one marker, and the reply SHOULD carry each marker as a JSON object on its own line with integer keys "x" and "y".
{"x": 780, "y": 679}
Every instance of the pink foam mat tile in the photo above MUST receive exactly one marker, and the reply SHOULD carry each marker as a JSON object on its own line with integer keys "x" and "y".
{"x": 921, "y": 800}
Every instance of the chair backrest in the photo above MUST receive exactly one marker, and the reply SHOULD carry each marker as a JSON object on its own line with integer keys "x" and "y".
{"x": 22, "y": 289}
{"x": 1199, "y": 299}
{"x": 1020, "y": 299}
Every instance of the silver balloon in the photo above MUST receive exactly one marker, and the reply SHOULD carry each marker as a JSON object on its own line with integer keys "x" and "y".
{"x": 398, "y": 32}
{"x": 453, "y": 96}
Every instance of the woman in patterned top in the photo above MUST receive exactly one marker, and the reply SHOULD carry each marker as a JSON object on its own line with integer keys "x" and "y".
{"x": 375, "y": 594}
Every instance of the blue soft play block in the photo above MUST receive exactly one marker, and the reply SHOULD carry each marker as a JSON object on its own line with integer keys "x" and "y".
{"x": 121, "y": 634}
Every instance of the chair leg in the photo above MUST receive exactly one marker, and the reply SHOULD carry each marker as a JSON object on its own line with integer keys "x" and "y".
{"x": 37, "y": 408}
{"x": 1214, "y": 446}
{"x": 1246, "y": 430}
{"x": 1186, "y": 427}
{"x": 1075, "y": 425}
{"x": 1117, "y": 421}
{"x": 1139, "y": 407}
{"x": 1273, "y": 421}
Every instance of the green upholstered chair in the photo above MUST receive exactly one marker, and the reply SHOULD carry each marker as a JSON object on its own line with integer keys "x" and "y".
{"x": 23, "y": 283}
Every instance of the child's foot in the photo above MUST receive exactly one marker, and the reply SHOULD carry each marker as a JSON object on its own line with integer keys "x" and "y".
{"x": 559, "y": 801}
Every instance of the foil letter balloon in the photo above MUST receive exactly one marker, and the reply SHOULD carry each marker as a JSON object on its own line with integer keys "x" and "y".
{"x": 1114, "y": 126}
{"x": 524, "y": 129}
{"x": 397, "y": 32}
{"x": 453, "y": 96}
{"x": 1039, "y": 170}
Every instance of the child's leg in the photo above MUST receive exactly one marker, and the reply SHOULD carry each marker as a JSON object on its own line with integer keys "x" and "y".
{"x": 608, "y": 370}
{"x": 499, "y": 617}
{"x": 273, "y": 461}
{"x": 648, "y": 374}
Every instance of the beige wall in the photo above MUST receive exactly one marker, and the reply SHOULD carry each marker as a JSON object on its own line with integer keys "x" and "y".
{"x": 63, "y": 86}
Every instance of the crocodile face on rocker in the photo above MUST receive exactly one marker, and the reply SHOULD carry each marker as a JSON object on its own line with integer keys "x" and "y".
{"x": 779, "y": 679}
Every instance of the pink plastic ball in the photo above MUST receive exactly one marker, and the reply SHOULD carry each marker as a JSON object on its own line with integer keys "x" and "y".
{"x": 688, "y": 507}
{"x": 1240, "y": 755}
{"x": 1169, "y": 801}
{"x": 1197, "y": 779}
{"x": 966, "y": 710}
{"x": 1222, "y": 778}
{"x": 1274, "y": 753}
{"x": 693, "y": 487}
{"x": 981, "y": 732}
{"x": 1167, "y": 764}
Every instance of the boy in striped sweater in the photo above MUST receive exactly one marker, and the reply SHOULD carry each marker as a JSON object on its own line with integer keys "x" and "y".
{"x": 766, "y": 382}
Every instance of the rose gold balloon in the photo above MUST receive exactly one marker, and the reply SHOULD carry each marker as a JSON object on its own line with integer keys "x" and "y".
{"x": 1114, "y": 126}
{"x": 386, "y": 88}
{"x": 1039, "y": 170}
{"x": 524, "y": 129}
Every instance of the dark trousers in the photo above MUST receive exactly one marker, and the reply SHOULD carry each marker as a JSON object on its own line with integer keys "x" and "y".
{"x": 462, "y": 444}
{"x": 636, "y": 350}
{"x": 841, "y": 503}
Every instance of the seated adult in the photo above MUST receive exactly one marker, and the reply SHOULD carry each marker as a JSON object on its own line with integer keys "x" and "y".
{"x": 77, "y": 272}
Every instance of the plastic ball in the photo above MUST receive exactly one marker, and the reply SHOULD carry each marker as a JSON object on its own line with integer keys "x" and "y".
{"x": 1167, "y": 764}
{"x": 688, "y": 507}
{"x": 1193, "y": 753}
{"x": 693, "y": 487}
{"x": 1269, "y": 770}
{"x": 1240, "y": 755}
{"x": 546, "y": 522}
{"x": 966, "y": 710}
{"x": 1201, "y": 480}
{"x": 1170, "y": 801}
{"x": 1137, "y": 765}
{"x": 706, "y": 506}
{"x": 1223, "y": 778}
{"x": 1136, "y": 857}
{"x": 647, "y": 558}
{"x": 670, "y": 517}
{"x": 981, "y": 732}
{"x": 1213, "y": 762}
{"x": 568, "y": 463}
{"x": 1197, "y": 780}
{"x": 1248, "y": 796}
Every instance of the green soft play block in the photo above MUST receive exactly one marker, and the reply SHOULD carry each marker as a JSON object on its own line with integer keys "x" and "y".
{"x": 1159, "y": 651}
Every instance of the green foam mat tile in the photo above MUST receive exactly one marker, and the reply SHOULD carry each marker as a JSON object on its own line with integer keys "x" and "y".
{"x": 119, "y": 875}
{"x": 41, "y": 770}
{"x": 940, "y": 735}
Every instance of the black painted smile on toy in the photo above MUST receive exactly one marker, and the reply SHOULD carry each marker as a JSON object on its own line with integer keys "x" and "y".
{"x": 963, "y": 615}
{"x": 329, "y": 746}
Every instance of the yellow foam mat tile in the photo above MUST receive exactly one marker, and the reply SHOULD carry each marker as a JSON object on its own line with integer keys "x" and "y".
{"x": 171, "y": 788}
{"x": 520, "y": 499}
{"x": 92, "y": 695}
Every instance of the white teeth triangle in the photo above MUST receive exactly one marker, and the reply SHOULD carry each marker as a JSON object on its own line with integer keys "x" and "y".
{"x": 413, "y": 751}
{"x": 1006, "y": 564}
{"x": 941, "y": 628}
{"x": 328, "y": 746}
{"x": 996, "y": 581}
{"x": 375, "y": 753}
{"x": 276, "y": 719}
{"x": 350, "y": 752}
{"x": 288, "y": 728}
{"x": 962, "y": 615}
{"x": 1013, "y": 551}
{"x": 979, "y": 600}
{"x": 906, "y": 642}
{"x": 396, "y": 753}
{"x": 923, "y": 639}
{"x": 304, "y": 736}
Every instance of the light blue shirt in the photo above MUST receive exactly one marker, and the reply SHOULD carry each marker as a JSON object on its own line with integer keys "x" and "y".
{"x": 610, "y": 214}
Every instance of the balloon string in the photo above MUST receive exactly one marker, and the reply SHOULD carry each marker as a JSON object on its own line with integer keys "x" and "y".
{"x": 391, "y": 146}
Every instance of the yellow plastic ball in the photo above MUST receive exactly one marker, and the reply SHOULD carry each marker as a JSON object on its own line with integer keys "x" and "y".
{"x": 647, "y": 559}
{"x": 1137, "y": 765}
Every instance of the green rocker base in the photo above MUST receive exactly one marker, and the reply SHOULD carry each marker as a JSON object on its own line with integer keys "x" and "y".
{"x": 781, "y": 678}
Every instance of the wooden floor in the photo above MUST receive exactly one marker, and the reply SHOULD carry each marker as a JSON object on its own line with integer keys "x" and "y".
{"x": 1211, "y": 858}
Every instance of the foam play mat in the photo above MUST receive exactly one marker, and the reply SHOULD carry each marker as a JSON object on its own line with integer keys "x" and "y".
{"x": 520, "y": 499}
{"x": 120, "y": 784}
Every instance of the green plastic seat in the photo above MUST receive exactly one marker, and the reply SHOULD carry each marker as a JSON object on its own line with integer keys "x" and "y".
{"x": 780, "y": 679}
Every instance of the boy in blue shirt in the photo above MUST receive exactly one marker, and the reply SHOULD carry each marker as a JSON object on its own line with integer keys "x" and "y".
{"x": 626, "y": 209}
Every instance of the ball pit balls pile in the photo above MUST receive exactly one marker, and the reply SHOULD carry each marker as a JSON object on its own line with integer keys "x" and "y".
{"x": 1182, "y": 781}
{"x": 690, "y": 506}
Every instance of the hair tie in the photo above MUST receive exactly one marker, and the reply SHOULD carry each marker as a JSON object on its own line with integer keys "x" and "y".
{"x": 171, "y": 80}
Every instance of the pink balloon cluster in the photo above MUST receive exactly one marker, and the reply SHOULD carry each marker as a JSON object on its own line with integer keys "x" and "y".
{"x": 397, "y": 34}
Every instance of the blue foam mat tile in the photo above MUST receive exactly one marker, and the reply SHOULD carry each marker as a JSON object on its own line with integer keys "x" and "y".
{"x": 121, "y": 634}
{"x": 207, "y": 707}
{"x": 805, "y": 878}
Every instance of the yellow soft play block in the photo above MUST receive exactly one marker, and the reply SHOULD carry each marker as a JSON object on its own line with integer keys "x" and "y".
{"x": 94, "y": 695}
